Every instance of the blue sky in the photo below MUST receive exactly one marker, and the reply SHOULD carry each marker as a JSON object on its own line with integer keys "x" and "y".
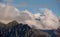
{"x": 34, "y": 5}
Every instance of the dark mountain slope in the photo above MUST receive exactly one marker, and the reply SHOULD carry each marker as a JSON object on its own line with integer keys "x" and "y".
{"x": 14, "y": 29}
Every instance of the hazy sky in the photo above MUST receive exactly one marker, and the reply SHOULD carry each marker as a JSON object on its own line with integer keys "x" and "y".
{"x": 34, "y": 5}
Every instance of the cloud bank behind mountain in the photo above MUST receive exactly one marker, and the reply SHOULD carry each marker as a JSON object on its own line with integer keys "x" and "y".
{"x": 47, "y": 20}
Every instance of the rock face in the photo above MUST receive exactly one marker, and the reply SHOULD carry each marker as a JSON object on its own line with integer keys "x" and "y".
{"x": 15, "y": 29}
{"x": 20, "y": 30}
{"x": 34, "y": 33}
{"x": 2, "y": 25}
{"x": 57, "y": 32}
{"x": 13, "y": 23}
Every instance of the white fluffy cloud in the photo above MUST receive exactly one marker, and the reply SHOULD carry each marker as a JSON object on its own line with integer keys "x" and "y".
{"x": 47, "y": 21}
{"x": 8, "y": 12}
{"x": 50, "y": 19}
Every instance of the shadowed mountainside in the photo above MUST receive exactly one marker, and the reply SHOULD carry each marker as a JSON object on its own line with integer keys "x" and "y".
{"x": 14, "y": 29}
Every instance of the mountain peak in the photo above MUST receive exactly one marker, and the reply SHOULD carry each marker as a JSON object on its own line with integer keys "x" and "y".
{"x": 14, "y": 22}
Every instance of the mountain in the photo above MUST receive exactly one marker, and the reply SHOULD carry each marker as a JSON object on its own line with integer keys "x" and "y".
{"x": 2, "y": 25}
{"x": 59, "y": 20}
{"x": 36, "y": 33}
{"x": 44, "y": 21}
{"x": 20, "y": 30}
{"x": 15, "y": 29}
{"x": 13, "y": 23}
{"x": 57, "y": 32}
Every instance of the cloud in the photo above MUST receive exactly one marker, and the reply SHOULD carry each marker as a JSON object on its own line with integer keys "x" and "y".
{"x": 10, "y": 13}
{"x": 50, "y": 19}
